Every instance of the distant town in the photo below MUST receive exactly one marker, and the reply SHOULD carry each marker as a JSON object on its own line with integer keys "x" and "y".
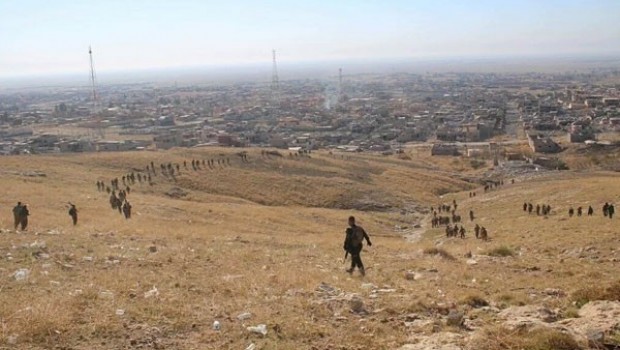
{"x": 452, "y": 113}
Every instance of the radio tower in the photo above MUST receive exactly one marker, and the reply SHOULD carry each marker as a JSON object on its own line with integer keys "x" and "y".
{"x": 93, "y": 79}
{"x": 275, "y": 83}
{"x": 339, "y": 84}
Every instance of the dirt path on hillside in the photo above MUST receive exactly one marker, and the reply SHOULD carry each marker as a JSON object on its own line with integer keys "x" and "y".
{"x": 413, "y": 234}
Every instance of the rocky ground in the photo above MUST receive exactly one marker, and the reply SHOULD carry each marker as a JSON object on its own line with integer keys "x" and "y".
{"x": 198, "y": 267}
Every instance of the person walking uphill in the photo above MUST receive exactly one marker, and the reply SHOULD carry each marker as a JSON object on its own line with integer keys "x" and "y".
{"x": 17, "y": 214}
{"x": 23, "y": 219}
{"x": 73, "y": 213}
{"x": 353, "y": 244}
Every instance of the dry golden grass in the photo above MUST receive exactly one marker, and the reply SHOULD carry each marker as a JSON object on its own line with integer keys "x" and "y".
{"x": 261, "y": 237}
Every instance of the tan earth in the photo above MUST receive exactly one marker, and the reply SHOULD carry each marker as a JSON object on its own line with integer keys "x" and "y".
{"x": 206, "y": 260}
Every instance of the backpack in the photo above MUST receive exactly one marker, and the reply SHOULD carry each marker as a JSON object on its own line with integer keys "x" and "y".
{"x": 356, "y": 237}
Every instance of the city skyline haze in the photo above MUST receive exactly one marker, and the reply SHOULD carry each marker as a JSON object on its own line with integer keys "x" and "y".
{"x": 38, "y": 37}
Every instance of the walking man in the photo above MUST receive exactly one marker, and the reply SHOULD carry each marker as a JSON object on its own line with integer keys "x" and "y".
{"x": 73, "y": 213}
{"x": 17, "y": 212}
{"x": 353, "y": 244}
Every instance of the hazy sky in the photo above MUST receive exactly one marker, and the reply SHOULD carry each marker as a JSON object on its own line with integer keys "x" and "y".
{"x": 45, "y": 36}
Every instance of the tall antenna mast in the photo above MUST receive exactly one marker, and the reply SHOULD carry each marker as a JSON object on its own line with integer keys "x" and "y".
{"x": 339, "y": 84}
{"x": 275, "y": 83}
{"x": 93, "y": 79}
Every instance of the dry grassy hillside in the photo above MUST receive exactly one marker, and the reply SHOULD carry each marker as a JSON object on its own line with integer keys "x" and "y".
{"x": 265, "y": 237}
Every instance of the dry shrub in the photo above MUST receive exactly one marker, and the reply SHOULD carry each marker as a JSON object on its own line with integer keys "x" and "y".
{"x": 502, "y": 251}
{"x": 539, "y": 339}
{"x": 596, "y": 292}
{"x": 475, "y": 301}
{"x": 439, "y": 251}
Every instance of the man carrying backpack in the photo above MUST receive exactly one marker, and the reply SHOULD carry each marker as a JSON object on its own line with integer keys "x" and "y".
{"x": 353, "y": 244}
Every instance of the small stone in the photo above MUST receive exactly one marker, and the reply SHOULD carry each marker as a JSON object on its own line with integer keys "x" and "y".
{"x": 368, "y": 286}
{"x": 471, "y": 262}
{"x": 153, "y": 249}
{"x": 21, "y": 274}
{"x": 260, "y": 329}
{"x": 455, "y": 318}
{"x": 356, "y": 304}
{"x": 244, "y": 316}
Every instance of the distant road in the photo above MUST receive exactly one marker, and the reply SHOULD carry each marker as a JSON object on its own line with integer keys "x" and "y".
{"x": 468, "y": 144}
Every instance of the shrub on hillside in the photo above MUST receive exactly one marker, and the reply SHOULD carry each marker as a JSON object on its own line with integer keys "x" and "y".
{"x": 538, "y": 339}
{"x": 477, "y": 164}
{"x": 596, "y": 292}
{"x": 439, "y": 251}
{"x": 502, "y": 251}
{"x": 475, "y": 301}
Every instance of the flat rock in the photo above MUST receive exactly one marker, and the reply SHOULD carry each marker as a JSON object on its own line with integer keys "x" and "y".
{"x": 595, "y": 318}
{"x": 437, "y": 341}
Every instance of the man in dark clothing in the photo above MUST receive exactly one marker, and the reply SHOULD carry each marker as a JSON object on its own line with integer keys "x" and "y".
{"x": 611, "y": 210}
{"x": 605, "y": 208}
{"x": 17, "y": 212}
{"x": 127, "y": 210}
{"x": 353, "y": 244}
{"x": 73, "y": 213}
{"x": 23, "y": 219}
{"x": 590, "y": 210}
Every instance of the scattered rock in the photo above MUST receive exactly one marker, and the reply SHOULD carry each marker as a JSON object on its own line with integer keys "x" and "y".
{"x": 12, "y": 339}
{"x": 413, "y": 276}
{"x": 455, "y": 318}
{"x": 151, "y": 293}
{"x": 527, "y": 317}
{"x": 436, "y": 341}
{"x": 104, "y": 294}
{"x": 120, "y": 312}
{"x": 357, "y": 305}
{"x": 368, "y": 286}
{"x": 554, "y": 292}
{"x": 260, "y": 329}
{"x": 176, "y": 193}
{"x": 244, "y": 316}
{"x": 595, "y": 317}
{"x": 471, "y": 262}
{"x": 21, "y": 274}
{"x": 252, "y": 346}
{"x": 153, "y": 249}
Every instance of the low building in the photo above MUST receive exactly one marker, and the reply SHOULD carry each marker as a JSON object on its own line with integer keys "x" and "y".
{"x": 542, "y": 144}
{"x": 440, "y": 149}
{"x": 76, "y": 146}
{"x": 118, "y": 146}
{"x": 168, "y": 140}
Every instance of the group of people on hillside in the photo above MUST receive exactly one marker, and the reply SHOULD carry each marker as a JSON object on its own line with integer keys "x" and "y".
{"x": 456, "y": 231}
{"x": 608, "y": 211}
{"x": 544, "y": 209}
{"x": 21, "y": 213}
